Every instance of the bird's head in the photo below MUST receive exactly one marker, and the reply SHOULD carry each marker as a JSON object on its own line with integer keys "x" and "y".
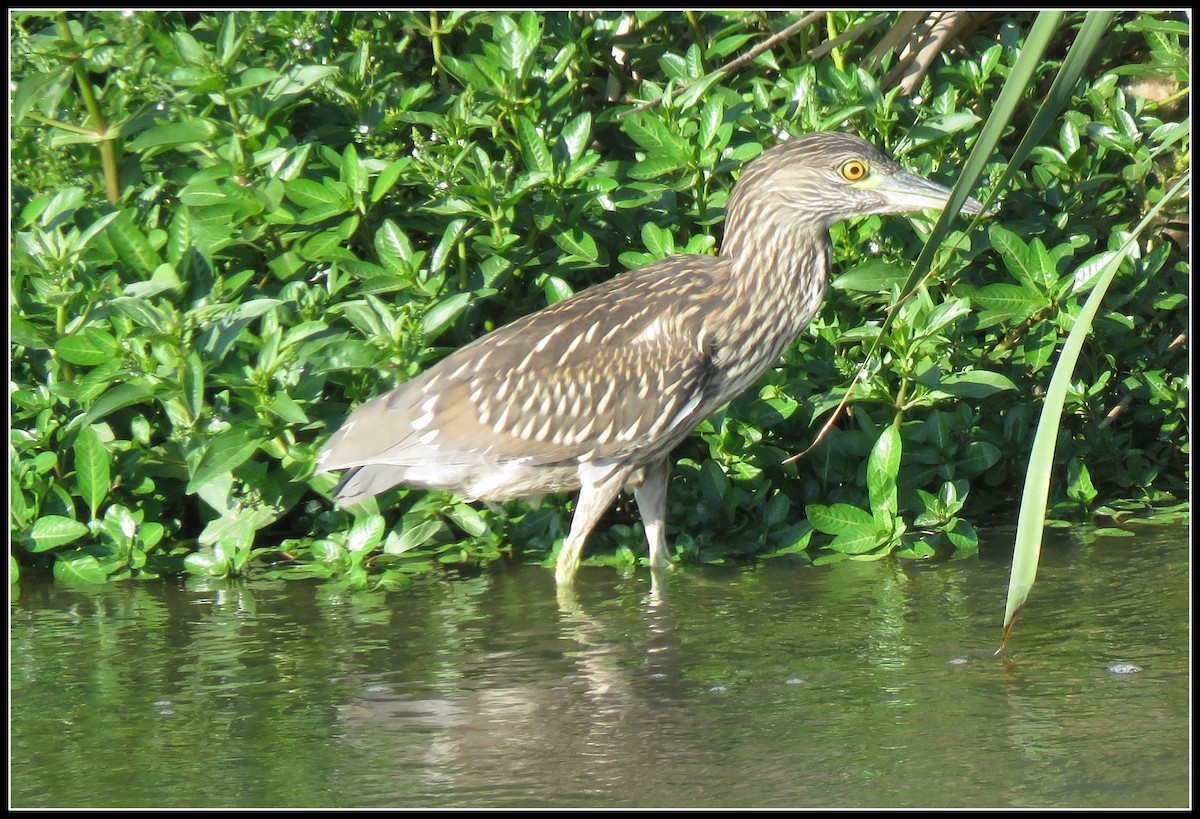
{"x": 824, "y": 177}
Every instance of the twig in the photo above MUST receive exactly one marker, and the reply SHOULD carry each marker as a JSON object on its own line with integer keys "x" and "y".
{"x": 849, "y": 35}
{"x": 918, "y": 56}
{"x": 1116, "y": 411}
{"x": 837, "y": 413}
{"x": 737, "y": 62}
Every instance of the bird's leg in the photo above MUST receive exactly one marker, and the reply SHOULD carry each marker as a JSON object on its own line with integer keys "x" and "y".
{"x": 651, "y": 497}
{"x": 598, "y": 488}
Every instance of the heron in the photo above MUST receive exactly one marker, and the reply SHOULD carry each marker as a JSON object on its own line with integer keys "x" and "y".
{"x": 592, "y": 393}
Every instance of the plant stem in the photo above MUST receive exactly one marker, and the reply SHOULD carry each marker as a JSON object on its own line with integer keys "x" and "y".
{"x": 99, "y": 123}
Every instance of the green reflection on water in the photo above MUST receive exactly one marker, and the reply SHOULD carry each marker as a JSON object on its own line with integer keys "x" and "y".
{"x": 859, "y": 684}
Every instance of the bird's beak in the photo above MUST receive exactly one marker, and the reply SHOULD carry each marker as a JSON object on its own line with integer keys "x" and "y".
{"x": 904, "y": 191}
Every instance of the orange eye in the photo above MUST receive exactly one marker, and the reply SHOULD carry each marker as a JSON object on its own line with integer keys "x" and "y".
{"x": 853, "y": 170}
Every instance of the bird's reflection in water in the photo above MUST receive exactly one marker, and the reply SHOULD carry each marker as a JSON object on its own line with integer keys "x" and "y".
{"x": 601, "y": 656}
{"x": 576, "y": 693}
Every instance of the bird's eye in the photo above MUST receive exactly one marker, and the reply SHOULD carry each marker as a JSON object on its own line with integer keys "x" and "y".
{"x": 853, "y": 170}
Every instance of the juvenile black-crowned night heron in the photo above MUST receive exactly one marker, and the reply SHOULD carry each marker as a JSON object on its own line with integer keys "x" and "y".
{"x": 593, "y": 392}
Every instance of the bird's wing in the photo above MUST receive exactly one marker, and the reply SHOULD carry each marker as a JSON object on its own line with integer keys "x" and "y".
{"x": 604, "y": 374}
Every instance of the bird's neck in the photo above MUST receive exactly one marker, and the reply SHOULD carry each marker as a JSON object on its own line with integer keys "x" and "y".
{"x": 776, "y": 281}
{"x": 779, "y": 267}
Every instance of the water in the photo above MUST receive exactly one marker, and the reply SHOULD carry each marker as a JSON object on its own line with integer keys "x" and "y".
{"x": 776, "y": 685}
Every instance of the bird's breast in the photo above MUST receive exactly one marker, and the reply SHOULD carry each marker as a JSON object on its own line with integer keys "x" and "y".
{"x": 770, "y": 307}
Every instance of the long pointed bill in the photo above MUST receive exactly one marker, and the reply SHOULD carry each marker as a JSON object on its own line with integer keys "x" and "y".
{"x": 903, "y": 191}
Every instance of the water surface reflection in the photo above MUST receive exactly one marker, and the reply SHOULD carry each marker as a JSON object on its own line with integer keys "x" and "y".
{"x": 860, "y": 684}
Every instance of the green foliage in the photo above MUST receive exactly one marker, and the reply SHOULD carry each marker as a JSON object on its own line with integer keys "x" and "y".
{"x": 231, "y": 228}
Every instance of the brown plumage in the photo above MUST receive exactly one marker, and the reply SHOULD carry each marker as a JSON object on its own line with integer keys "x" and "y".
{"x": 594, "y": 391}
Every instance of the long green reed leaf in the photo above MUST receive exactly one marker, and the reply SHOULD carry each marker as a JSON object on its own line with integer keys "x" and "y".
{"x": 1016, "y": 88}
{"x": 1032, "y": 518}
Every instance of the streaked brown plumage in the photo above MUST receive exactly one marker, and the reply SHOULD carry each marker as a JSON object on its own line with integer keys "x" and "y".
{"x": 594, "y": 391}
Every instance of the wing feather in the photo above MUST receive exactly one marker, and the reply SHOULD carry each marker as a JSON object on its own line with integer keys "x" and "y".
{"x": 604, "y": 374}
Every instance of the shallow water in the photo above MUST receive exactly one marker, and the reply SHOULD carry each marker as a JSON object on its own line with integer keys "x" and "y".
{"x": 858, "y": 684}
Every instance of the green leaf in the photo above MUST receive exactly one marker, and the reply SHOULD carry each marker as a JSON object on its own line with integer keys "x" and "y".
{"x": 174, "y": 133}
{"x": 467, "y": 73}
{"x": 222, "y": 331}
{"x": 40, "y": 90}
{"x": 533, "y": 147}
{"x": 256, "y": 77}
{"x": 62, "y": 204}
{"x": 352, "y": 173}
{"x": 365, "y": 534}
{"x": 711, "y": 116}
{"x": 939, "y": 127}
{"x": 89, "y": 348}
{"x": 883, "y": 465}
{"x": 674, "y": 66}
{"x": 450, "y": 239}
{"x": 696, "y": 91}
{"x": 290, "y": 164}
{"x": 229, "y": 42}
{"x": 468, "y": 519}
{"x": 388, "y": 177}
{"x": 575, "y": 136}
{"x": 162, "y": 280}
{"x": 92, "y": 469}
{"x": 980, "y": 457}
{"x": 577, "y": 242}
{"x": 856, "y": 539}
{"x": 319, "y": 213}
{"x": 141, "y": 312}
{"x": 656, "y": 165}
{"x": 1079, "y": 483}
{"x": 1087, "y": 272}
{"x": 652, "y": 135}
{"x": 1010, "y": 246}
{"x": 873, "y": 276}
{"x": 776, "y": 510}
{"x": 439, "y": 317}
{"x": 325, "y": 246}
{"x": 556, "y": 289}
{"x": 122, "y": 395}
{"x": 309, "y": 194}
{"x": 976, "y": 384}
{"x": 492, "y": 268}
{"x": 189, "y": 49}
{"x": 51, "y": 531}
{"x": 1042, "y": 267}
{"x": 192, "y": 382}
{"x": 203, "y": 195}
{"x": 658, "y": 241}
{"x": 298, "y": 80}
{"x": 150, "y": 534}
{"x": 837, "y": 518}
{"x": 516, "y": 47}
{"x": 131, "y": 244}
{"x": 287, "y": 409}
{"x": 393, "y": 247}
{"x": 963, "y": 535}
{"x": 232, "y": 534}
{"x": 1006, "y": 302}
{"x": 714, "y": 484}
{"x": 414, "y": 537}
{"x": 227, "y": 452}
{"x": 206, "y": 564}
{"x": 78, "y": 568}
{"x": 1039, "y": 344}
{"x": 944, "y": 314}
